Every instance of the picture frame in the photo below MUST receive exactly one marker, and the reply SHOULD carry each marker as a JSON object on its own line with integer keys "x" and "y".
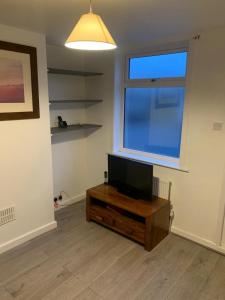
{"x": 19, "y": 96}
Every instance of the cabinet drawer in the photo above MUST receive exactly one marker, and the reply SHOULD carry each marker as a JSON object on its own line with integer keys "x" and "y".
{"x": 118, "y": 222}
{"x": 131, "y": 228}
{"x": 102, "y": 215}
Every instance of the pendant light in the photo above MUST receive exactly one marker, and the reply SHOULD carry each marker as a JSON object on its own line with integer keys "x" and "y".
{"x": 90, "y": 33}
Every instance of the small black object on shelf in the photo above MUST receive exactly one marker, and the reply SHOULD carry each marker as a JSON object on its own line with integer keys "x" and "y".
{"x": 105, "y": 177}
{"x": 61, "y": 123}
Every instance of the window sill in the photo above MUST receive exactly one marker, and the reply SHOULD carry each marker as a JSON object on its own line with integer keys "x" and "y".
{"x": 152, "y": 161}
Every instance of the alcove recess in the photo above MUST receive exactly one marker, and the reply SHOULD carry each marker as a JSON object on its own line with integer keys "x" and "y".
{"x": 68, "y": 99}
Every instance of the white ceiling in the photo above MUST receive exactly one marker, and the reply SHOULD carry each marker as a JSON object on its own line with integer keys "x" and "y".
{"x": 129, "y": 21}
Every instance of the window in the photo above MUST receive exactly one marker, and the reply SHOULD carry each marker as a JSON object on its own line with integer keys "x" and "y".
{"x": 154, "y": 103}
{"x": 158, "y": 66}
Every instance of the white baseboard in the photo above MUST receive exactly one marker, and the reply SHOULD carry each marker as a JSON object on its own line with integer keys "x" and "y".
{"x": 71, "y": 200}
{"x": 204, "y": 242}
{"x": 27, "y": 236}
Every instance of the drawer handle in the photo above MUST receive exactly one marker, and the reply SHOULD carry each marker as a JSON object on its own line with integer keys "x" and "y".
{"x": 99, "y": 218}
{"x": 130, "y": 231}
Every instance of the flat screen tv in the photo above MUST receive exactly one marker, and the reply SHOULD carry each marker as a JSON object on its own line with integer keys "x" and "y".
{"x": 130, "y": 177}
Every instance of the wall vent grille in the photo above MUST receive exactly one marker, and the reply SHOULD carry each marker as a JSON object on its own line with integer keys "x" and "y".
{"x": 7, "y": 215}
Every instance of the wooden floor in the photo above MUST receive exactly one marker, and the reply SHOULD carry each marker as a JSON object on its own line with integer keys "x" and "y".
{"x": 83, "y": 260}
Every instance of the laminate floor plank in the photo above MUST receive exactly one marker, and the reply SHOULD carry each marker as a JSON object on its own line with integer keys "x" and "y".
{"x": 47, "y": 276}
{"x": 35, "y": 284}
{"x": 189, "y": 285}
{"x": 88, "y": 294}
{"x": 68, "y": 290}
{"x": 52, "y": 240}
{"x": 158, "y": 264}
{"x": 119, "y": 271}
{"x": 172, "y": 267}
{"x": 85, "y": 261}
{"x": 126, "y": 270}
{"x": 214, "y": 287}
{"x": 4, "y": 295}
{"x": 98, "y": 262}
{"x": 68, "y": 239}
{"x": 84, "y": 254}
{"x": 20, "y": 264}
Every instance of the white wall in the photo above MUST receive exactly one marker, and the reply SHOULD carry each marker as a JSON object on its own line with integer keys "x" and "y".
{"x": 79, "y": 159}
{"x": 68, "y": 149}
{"x": 197, "y": 196}
{"x": 26, "y": 163}
{"x": 99, "y": 143}
{"x": 221, "y": 217}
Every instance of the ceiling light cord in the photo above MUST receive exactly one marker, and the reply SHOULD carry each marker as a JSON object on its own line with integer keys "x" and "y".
{"x": 91, "y": 7}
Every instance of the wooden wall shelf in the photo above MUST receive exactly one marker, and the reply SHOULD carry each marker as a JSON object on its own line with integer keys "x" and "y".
{"x": 75, "y": 101}
{"x": 73, "y": 72}
{"x": 56, "y": 130}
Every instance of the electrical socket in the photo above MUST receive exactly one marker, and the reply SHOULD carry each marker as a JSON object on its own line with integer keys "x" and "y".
{"x": 218, "y": 126}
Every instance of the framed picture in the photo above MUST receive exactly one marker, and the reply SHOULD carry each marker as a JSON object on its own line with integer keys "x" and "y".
{"x": 19, "y": 97}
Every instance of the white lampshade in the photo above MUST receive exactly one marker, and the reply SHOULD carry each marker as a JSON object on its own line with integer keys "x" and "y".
{"x": 90, "y": 33}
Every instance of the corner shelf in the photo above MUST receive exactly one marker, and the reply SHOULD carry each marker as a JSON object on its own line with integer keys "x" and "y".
{"x": 73, "y": 72}
{"x": 75, "y": 101}
{"x": 56, "y": 130}
{"x": 69, "y": 104}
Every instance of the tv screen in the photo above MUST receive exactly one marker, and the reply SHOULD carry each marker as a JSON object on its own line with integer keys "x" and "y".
{"x": 130, "y": 177}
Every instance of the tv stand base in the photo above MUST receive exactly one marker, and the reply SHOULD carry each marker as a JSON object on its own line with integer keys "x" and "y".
{"x": 146, "y": 222}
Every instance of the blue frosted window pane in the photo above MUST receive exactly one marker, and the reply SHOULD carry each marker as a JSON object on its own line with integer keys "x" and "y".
{"x": 158, "y": 66}
{"x": 153, "y": 120}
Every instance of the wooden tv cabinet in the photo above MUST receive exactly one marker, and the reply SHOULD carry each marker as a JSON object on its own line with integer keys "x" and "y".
{"x": 146, "y": 222}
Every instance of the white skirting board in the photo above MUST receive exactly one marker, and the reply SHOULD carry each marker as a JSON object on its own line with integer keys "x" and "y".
{"x": 48, "y": 227}
{"x": 204, "y": 242}
{"x": 27, "y": 236}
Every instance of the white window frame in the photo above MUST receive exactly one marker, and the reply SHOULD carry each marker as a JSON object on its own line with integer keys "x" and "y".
{"x": 163, "y": 82}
